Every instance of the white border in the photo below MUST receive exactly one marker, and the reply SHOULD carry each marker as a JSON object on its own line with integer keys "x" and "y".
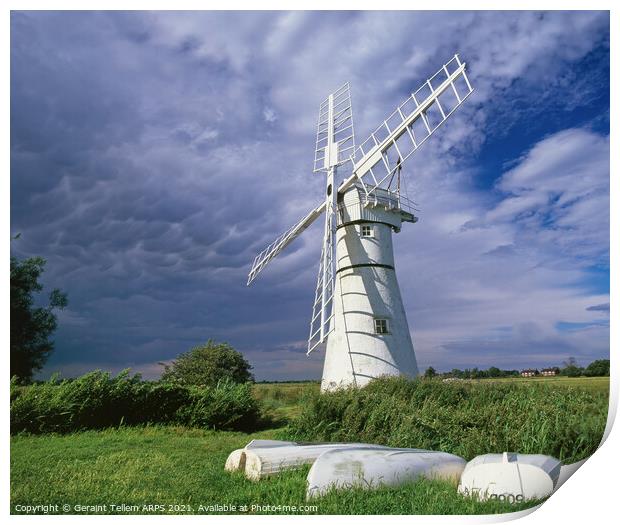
{"x": 590, "y": 496}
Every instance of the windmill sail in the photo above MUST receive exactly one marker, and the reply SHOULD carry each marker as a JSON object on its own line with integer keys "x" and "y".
{"x": 261, "y": 260}
{"x": 409, "y": 126}
{"x": 335, "y": 145}
{"x": 335, "y": 128}
{"x": 322, "y": 309}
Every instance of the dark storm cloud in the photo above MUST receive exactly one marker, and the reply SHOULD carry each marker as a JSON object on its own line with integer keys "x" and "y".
{"x": 154, "y": 154}
{"x": 599, "y": 308}
{"x": 126, "y": 199}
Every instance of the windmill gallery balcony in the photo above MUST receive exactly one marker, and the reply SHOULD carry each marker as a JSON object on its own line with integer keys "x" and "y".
{"x": 378, "y": 205}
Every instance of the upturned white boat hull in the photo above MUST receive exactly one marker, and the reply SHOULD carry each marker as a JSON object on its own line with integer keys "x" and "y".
{"x": 236, "y": 459}
{"x": 369, "y": 468}
{"x": 510, "y": 477}
{"x": 261, "y": 458}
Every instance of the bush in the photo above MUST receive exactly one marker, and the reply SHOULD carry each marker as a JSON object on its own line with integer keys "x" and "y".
{"x": 226, "y": 406}
{"x": 462, "y": 418}
{"x": 209, "y": 364}
{"x": 97, "y": 400}
{"x": 598, "y": 368}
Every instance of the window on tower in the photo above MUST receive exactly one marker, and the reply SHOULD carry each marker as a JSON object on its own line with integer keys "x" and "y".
{"x": 366, "y": 230}
{"x": 381, "y": 326}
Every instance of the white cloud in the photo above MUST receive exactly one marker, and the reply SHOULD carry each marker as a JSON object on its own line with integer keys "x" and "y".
{"x": 269, "y": 114}
{"x": 559, "y": 193}
{"x": 499, "y": 278}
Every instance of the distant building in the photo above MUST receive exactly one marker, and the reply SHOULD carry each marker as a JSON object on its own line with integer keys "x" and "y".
{"x": 550, "y": 371}
{"x": 530, "y": 372}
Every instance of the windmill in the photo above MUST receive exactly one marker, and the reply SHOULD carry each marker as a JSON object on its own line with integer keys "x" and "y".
{"x": 358, "y": 314}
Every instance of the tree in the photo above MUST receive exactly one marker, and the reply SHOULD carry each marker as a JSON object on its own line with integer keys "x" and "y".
{"x": 457, "y": 373}
{"x": 600, "y": 367}
{"x": 571, "y": 369}
{"x": 474, "y": 373}
{"x": 207, "y": 365}
{"x": 430, "y": 372}
{"x": 31, "y": 326}
{"x": 494, "y": 372}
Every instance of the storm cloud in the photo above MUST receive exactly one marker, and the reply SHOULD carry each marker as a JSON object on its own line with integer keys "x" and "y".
{"x": 153, "y": 154}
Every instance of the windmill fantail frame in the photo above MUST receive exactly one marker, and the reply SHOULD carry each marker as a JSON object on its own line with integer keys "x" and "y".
{"x": 358, "y": 314}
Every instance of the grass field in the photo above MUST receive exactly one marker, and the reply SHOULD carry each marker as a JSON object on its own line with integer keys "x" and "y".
{"x": 181, "y": 470}
{"x": 592, "y": 384}
{"x": 283, "y": 400}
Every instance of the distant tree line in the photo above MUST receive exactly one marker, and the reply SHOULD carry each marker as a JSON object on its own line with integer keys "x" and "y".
{"x": 472, "y": 373}
{"x": 597, "y": 368}
{"x": 570, "y": 368}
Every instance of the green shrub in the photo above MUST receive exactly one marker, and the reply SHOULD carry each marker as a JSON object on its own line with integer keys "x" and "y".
{"x": 97, "y": 400}
{"x": 208, "y": 364}
{"x": 463, "y": 418}
{"x": 598, "y": 368}
{"x": 227, "y": 405}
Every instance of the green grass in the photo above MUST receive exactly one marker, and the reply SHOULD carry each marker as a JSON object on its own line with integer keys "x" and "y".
{"x": 175, "y": 465}
{"x": 466, "y": 418}
{"x": 184, "y": 467}
{"x": 591, "y": 384}
{"x": 282, "y": 401}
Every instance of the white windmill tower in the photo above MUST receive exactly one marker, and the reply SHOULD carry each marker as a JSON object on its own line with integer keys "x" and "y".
{"x": 358, "y": 310}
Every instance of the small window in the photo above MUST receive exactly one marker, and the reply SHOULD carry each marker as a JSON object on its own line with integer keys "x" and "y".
{"x": 366, "y": 230}
{"x": 381, "y": 326}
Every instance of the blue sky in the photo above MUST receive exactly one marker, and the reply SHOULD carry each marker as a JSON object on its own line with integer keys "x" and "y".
{"x": 153, "y": 154}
